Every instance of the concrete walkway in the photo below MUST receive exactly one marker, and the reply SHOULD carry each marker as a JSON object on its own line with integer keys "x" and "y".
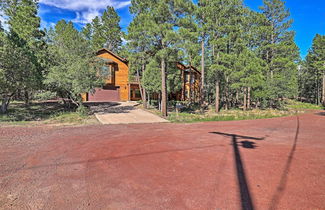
{"x": 128, "y": 113}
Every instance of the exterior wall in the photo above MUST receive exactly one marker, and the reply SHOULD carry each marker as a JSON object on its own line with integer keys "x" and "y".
{"x": 135, "y": 94}
{"x": 121, "y": 75}
{"x": 84, "y": 96}
{"x": 105, "y": 95}
{"x": 195, "y": 86}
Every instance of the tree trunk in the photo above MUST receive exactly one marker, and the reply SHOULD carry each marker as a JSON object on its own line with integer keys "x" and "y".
{"x": 26, "y": 97}
{"x": 5, "y": 105}
{"x": 323, "y": 92}
{"x": 142, "y": 89}
{"x": 245, "y": 99}
{"x": 149, "y": 100}
{"x": 163, "y": 88}
{"x": 249, "y": 98}
{"x": 217, "y": 96}
{"x": 183, "y": 85}
{"x": 272, "y": 51}
{"x": 159, "y": 101}
{"x": 237, "y": 97}
{"x": 227, "y": 94}
{"x": 191, "y": 85}
{"x": 202, "y": 71}
{"x": 145, "y": 103}
{"x": 317, "y": 90}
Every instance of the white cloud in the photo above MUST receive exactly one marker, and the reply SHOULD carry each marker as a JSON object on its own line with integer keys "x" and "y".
{"x": 3, "y": 20}
{"x": 77, "y": 5}
{"x": 47, "y": 25}
{"x": 86, "y": 16}
{"x": 86, "y": 10}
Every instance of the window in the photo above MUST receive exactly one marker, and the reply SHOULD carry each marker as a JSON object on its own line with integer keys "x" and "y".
{"x": 187, "y": 78}
{"x": 106, "y": 71}
{"x": 193, "y": 79}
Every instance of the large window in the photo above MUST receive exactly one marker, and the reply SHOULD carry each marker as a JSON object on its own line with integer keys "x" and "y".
{"x": 187, "y": 78}
{"x": 106, "y": 72}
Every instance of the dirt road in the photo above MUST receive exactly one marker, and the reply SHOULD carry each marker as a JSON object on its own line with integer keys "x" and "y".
{"x": 260, "y": 164}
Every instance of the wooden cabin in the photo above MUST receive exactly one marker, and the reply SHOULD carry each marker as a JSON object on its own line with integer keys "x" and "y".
{"x": 191, "y": 80}
{"x": 117, "y": 85}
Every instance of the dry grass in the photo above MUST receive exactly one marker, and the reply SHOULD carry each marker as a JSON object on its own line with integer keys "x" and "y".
{"x": 39, "y": 113}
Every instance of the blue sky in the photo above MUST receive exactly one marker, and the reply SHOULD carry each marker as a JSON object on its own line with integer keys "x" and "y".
{"x": 309, "y": 16}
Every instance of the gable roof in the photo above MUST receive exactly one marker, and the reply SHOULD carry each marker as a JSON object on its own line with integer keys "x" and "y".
{"x": 113, "y": 54}
{"x": 184, "y": 67}
{"x": 194, "y": 68}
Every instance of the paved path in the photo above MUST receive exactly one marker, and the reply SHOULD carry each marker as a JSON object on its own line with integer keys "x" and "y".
{"x": 262, "y": 164}
{"x": 127, "y": 113}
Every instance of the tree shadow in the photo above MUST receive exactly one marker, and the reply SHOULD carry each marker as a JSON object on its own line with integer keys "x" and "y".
{"x": 320, "y": 113}
{"x": 284, "y": 177}
{"x": 35, "y": 111}
{"x": 245, "y": 196}
{"x": 111, "y": 158}
{"x": 107, "y": 107}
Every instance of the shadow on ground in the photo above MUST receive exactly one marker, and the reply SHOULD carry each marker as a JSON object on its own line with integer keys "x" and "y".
{"x": 35, "y": 111}
{"x": 284, "y": 177}
{"x": 112, "y": 158}
{"x": 320, "y": 113}
{"x": 245, "y": 195}
{"x": 39, "y": 111}
{"x": 108, "y": 107}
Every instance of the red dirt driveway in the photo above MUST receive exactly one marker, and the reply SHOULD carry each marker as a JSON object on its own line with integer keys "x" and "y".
{"x": 260, "y": 164}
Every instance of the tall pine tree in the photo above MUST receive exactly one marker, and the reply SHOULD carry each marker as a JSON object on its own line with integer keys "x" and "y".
{"x": 313, "y": 72}
{"x": 22, "y": 58}
{"x": 159, "y": 22}
{"x": 280, "y": 52}
{"x": 73, "y": 69}
{"x": 105, "y": 31}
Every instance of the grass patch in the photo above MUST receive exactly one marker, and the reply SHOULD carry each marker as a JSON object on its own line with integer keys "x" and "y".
{"x": 228, "y": 115}
{"x": 291, "y": 104}
{"x": 19, "y": 112}
{"x": 48, "y": 113}
{"x": 70, "y": 118}
{"x": 291, "y": 108}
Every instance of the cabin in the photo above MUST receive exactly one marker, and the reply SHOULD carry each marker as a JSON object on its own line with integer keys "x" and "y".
{"x": 120, "y": 86}
{"x": 191, "y": 80}
{"x": 117, "y": 85}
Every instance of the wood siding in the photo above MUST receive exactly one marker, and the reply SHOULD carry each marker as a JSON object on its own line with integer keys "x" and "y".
{"x": 121, "y": 74}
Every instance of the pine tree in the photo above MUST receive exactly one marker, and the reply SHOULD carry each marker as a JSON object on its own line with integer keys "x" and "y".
{"x": 224, "y": 28}
{"x": 202, "y": 20}
{"x": 159, "y": 20}
{"x": 188, "y": 43}
{"x": 74, "y": 68}
{"x": 313, "y": 72}
{"x": 141, "y": 52}
{"x": 110, "y": 25}
{"x": 105, "y": 31}
{"x": 279, "y": 51}
{"x": 22, "y": 60}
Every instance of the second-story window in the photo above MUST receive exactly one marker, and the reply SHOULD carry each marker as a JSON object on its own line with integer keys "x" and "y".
{"x": 106, "y": 72}
{"x": 187, "y": 78}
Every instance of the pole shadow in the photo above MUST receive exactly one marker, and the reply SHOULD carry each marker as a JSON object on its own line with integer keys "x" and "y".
{"x": 245, "y": 195}
{"x": 284, "y": 177}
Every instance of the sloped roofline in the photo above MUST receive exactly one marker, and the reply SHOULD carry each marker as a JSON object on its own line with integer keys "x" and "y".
{"x": 126, "y": 61}
{"x": 189, "y": 67}
{"x": 113, "y": 54}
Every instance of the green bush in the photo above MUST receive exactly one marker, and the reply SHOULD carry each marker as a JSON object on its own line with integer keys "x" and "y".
{"x": 45, "y": 95}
